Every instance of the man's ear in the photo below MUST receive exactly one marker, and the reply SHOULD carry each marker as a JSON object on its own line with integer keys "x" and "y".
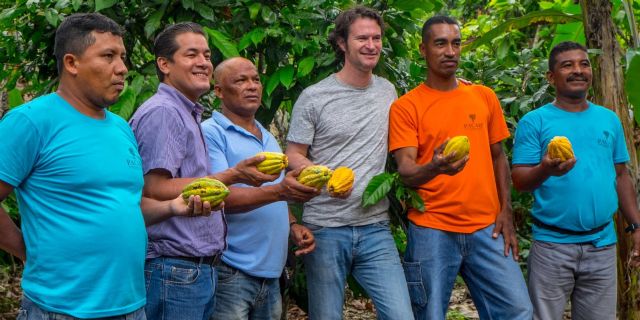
{"x": 163, "y": 65}
{"x": 70, "y": 64}
{"x": 423, "y": 50}
{"x": 342, "y": 44}
{"x": 218, "y": 91}
{"x": 550, "y": 78}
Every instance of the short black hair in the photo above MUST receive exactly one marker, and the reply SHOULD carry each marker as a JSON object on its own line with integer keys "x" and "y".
{"x": 344, "y": 21}
{"x": 165, "y": 45}
{"x": 74, "y": 34}
{"x": 563, "y": 47}
{"x": 435, "y": 20}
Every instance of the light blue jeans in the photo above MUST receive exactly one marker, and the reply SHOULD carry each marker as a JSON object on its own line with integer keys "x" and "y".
{"x": 30, "y": 311}
{"x": 434, "y": 258}
{"x": 240, "y": 296}
{"x": 370, "y": 255}
{"x": 179, "y": 289}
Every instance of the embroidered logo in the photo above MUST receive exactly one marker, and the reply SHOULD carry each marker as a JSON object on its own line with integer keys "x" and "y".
{"x": 473, "y": 125}
{"x": 605, "y": 140}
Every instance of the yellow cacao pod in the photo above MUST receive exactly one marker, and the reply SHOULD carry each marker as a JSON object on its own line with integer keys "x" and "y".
{"x": 315, "y": 176}
{"x": 273, "y": 162}
{"x": 560, "y": 148}
{"x": 458, "y": 144}
{"x": 208, "y": 189}
{"x": 341, "y": 180}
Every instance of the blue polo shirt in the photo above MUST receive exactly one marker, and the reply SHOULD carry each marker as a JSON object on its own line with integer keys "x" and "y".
{"x": 257, "y": 240}
{"x": 586, "y": 196}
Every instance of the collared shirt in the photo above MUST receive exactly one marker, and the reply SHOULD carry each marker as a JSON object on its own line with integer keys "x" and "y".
{"x": 258, "y": 238}
{"x": 167, "y": 128}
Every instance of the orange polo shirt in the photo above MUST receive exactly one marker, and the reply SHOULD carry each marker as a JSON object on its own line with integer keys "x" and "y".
{"x": 424, "y": 118}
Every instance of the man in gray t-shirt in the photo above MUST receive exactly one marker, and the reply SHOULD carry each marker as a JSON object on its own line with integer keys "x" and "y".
{"x": 343, "y": 121}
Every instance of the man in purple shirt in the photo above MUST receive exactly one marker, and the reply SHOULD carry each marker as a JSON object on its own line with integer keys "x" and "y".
{"x": 182, "y": 251}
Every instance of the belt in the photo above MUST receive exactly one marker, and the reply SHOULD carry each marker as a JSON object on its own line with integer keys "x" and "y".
{"x": 567, "y": 231}
{"x": 210, "y": 260}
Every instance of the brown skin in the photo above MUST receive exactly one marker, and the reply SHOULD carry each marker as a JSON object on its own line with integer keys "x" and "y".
{"x": 571, "y": 76}
{"x": 442, "y": 53}
{"x": 11, "y": 240}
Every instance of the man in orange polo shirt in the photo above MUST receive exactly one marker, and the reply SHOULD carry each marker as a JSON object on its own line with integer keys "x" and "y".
{"x": 467, "y": 226}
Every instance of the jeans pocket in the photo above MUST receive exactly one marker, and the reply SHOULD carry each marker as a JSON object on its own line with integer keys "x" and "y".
{"x": 226, "y": 273}
{"x": 182, "y": 275}
{"x": 313, "y": 227}
{"x": 413, "y": 274}
{"x": 383, "y": 224}
{"x": 22, "y": 314}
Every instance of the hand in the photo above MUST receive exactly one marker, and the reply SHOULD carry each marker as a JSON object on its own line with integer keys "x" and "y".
{"x": 442, "y": 164}
{"x": 504, "y": 225}
{"x": 465, "y": 81}
{"x": 556, "y": 167}
{"x": 634, "y": 259}
{"x": 343, "y": 195}
{"x": 247, "y": 172}
{"x": 194, "y": 208}
{"x": 292, "y": 190}
{"x": 303, "y": 238}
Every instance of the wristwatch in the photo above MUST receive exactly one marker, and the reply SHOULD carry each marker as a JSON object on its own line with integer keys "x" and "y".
{"x": 632, "y": 227}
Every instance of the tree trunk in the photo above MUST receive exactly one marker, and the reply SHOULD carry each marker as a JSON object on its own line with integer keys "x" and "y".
{"x": 608, "y": 88}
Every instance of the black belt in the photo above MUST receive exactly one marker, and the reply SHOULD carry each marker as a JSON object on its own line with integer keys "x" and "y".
{"x": 210, "y": 260}
{"x": 567, "y": 231}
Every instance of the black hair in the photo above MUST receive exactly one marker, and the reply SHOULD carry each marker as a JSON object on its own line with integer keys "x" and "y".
{"x": 563, "y": 47}
{"x": 165, "y": 45}
{"x": 435, "y": 20}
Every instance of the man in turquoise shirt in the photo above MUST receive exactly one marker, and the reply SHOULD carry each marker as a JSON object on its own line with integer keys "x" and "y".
{"x": 258, "y": 234}
{"x": 78, "y": 179}
{"x": 573, "y": 254}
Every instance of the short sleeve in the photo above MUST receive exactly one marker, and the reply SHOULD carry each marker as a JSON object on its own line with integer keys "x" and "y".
{"x": 161, "y": 140}
{"x": 403, "y": 127}
{"x": 303, "y": 122}
{"x": 217, "y": 148}
{"x": 527, "y": 145}
{"x": 498, "y": 130}
{"x": 20, "y": 145}
{"x": 620, "y": 152}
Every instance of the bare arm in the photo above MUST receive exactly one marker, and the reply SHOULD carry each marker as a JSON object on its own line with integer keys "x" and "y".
{"x": 297, "y": 154}
{"x": 11, "y": 240}
{"x": 155, "y": 211}
{"x": 628, "y": 207}
{"x": 504, "y": 220}
{"x": 530, "y": 177}
{"x": 414, "y": 174}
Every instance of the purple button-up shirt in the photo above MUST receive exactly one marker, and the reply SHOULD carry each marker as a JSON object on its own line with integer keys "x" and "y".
{"x": 167, "y": 128}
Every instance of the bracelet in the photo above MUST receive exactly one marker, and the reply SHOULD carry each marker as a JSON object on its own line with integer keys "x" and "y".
{"x": 632, "y": 227}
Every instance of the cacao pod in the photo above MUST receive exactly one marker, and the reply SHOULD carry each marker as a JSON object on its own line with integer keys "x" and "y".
{"x": 273, "y": 162}
{"x": 315, "y": 176}
{"x": 208, "y": 189}
{"x": 560, "y": 148}
{"x": 341, "y": 180}
{"x": 458, "y": 144}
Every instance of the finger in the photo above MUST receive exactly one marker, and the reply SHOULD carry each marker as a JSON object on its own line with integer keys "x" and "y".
{"x": 441, "y": 147}
{"x": 514, "y": 250}
{"x": 206, "y": 208}
{"x": 496, "y": 230}
{"x": 255, "y": 159}
{"x": 191, "y": 205}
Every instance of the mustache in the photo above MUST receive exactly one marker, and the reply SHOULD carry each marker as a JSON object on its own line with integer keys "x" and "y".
{"x": 575, "y": 77}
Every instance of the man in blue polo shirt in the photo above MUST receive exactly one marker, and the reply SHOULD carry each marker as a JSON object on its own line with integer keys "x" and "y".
{"x": 574, "y": 253}
{"x": 258, "y": 233}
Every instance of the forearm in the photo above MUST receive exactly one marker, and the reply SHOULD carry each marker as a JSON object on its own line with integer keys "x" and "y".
{"x": 297, "y": 160}
{"x": 246, "y": 199}
{"x": 528, "y": 178}
{"x": 11, "y": 240}
{"x": 415, "y": 175}
{"x": 155, "y": 211}
{"x": 627, "y": 198}
{"x": 229, "y": 176}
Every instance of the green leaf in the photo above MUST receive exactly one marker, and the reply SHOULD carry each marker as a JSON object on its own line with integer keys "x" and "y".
{"x": 286, "y": 76}
{"x": 551, "y": 16}
{"x": 377, "y": 189}
{"x": 15, "y": 98}
{"x": 153, "y": 23}
{"x": 126, "y": 103}
{"x": 305, "y": 66}
{"x": 52, "y": 17}
{"x": 408, "y": 5}
{"x": 257, "y": 35}
{"x": 415, "y": 200}
{"x": 104, "y": 4}
{"x": 254, "y": 9}
{"x": 76, "y": 4}
{"x": 273, "y": 82}
{"x": 222, "y": 43}
{"x": 632, "y": 85}
{"x": 188, "y": 4}
{"x": 268, "y": 15}
{"x": 205, "y": 11}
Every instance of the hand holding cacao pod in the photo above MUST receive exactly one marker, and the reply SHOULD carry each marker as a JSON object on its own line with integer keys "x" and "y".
{"x": 208, "y": 189}
{"x": 341, "y": 181}
{"x": 458, "y": 144}
{"x": 273, "y": 163}
{"x": 560, "y": 148}
{"x": 315, "y": 176}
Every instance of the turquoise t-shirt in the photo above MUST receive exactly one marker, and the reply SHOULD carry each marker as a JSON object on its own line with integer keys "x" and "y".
{"x": 78, "y": 181}
{"x": 257, "y": 240}
{"x": 586, "y": 196}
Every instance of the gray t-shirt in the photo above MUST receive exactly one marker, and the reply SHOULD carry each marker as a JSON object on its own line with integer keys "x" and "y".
{"x": 344, "y": 126}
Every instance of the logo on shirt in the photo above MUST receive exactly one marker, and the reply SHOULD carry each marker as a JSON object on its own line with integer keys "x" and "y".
{"x": 472, "y": 124}
{"x": 135, "y": 161}
{"x": 606, "y": 140}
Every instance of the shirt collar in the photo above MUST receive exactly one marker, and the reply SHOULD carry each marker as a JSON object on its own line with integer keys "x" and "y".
{"x": 177, "y": 96}
{"x": 224, "y": 122}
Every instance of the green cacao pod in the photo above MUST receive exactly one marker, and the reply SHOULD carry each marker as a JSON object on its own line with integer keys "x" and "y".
{"x": 273, "y": 163}
{"x": 458, "y": 144}
{"x": 560, "y": 148}
{"x": 208, "y": 189}
{"x": 315, "y": 176}
{"x": 341, "y": 180}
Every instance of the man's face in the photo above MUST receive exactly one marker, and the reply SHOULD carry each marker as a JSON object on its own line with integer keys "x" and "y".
{"x": 239, "y": 88}
{"x": 191, "y": 69}
{"x": 363, "y": 46}
{"x": 571, "y": 74}
{"x": 100, "y": 69}
{"x": 442, "y": 49}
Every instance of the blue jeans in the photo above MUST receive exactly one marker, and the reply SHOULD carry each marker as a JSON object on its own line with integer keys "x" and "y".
{"x": 30, "y": 311}
{"x": 370, "y": 255}
{"x": 179, "y": 289}
{"x": 434, "y": 258}
{"x": 240, "y": 296}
